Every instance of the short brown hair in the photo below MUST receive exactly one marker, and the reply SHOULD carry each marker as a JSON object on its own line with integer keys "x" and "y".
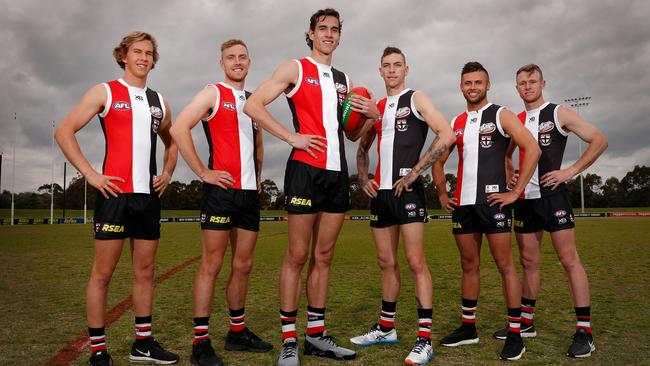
{"x": 321, "y": 14}
{"x": 530, "y": 68}
{"x": 121, "y": 49}
{"x": 233, "y": 42}
{"x": 391, "y": 50}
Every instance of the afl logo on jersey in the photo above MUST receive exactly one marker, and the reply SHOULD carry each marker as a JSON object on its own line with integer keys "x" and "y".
{"x": 402, "y": 112}
{"x": 312, "y": 81}
{"x": 255, "y": 126}
{"x": 242, "y": 98}
{"x": 401, "y": 125}
{"x": 544, "y": 139}
{"x": 391, "y": 105}
{"x": 121, "y": 106}
{"x": 458, "y": 133}
{"x": 486, "y": 141}
{"x": 546, "y": 126}
{"x": 155, "y": 112}
{"x": 341, "y": 88}
{"x": 487, "y": 128}
{"x": 229, "y": 105}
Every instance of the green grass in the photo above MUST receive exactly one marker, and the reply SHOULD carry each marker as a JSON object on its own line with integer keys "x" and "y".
{"x": 45, "y": 269}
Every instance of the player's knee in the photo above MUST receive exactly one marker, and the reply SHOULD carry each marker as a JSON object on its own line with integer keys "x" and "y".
{"x": 323, "y": 258}
{"x": 506, "y": 267}
{"x": 211, "y": 268}
{"x": 571, "y": 263}
{"x": 417, "y": 264}
{"x": 470, "y": 265}
{"x": 144, "y": 273}
{"x": 242, "y": 266}
{"x": 529, "y": 263}
{"x": 387, "y": 263}
{"x": 296, "y": 258}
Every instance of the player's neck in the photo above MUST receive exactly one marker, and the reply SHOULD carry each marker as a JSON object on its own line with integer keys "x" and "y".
{"x": 534, "y": 104}
{"x": 396, "y": 90}
{"x": 239, "y": 85}
{"x": 320, "y": 57}
{"x": 134, "y": 81}
{"x": 471, "y": 107}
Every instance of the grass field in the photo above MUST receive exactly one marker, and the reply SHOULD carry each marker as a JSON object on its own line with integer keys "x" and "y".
{"x": 45, "y": 269}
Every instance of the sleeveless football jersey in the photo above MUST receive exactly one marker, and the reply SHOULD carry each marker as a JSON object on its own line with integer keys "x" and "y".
{"x": 130, "y": 122}
{"x": 482, "y": 144}
{"x": 401, "y": 134}
{"x": 231, "y": 137}
{"x": 543, "y": 124}
{"x": 315, "y": 102}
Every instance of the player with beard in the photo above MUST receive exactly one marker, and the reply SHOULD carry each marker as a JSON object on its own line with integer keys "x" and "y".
{"x": 128, "y": 202}
{"x": 230, "y": 209}
{"x": 398, "y": 202}
{"x": 316, "y": 179}
{"x": 544, "y": 204}
{"x": 481, "y": 202}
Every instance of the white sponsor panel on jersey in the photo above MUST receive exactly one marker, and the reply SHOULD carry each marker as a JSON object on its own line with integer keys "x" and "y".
{"x": 330, "y": 118}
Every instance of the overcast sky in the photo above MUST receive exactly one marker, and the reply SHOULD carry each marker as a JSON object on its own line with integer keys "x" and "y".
{"x": 53, "y": 51}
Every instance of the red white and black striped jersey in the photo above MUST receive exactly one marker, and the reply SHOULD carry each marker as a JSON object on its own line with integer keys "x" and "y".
{"x": 482, "y": 144}
{"x": 401, "y": 134}
{"x": 231, "y": 137}
{"x": 543, "y": 124}
{"x": 315, "y": 102}
{"x": 130, "y": 121}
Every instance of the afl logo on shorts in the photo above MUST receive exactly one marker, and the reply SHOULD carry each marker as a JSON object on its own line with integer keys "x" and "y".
{"x": 546, "y": 126}
{"x": 560, "y": 213}
{"x": 486, "y": 141}
{"x": 402, "y": 112}
{"x": 401, "y": 125}
{"x": 312, "y": 81}
{"x": 121, "y": 106}
{"x": 487, "y": 128}
{"x": 155, "y": 112}
{"x": 341, "y": 88}
{"x": 410, "y": 206}
{"x": 545, "y": 139}
{"x": 229, "y": 105}
{"x": 499, "y": 216}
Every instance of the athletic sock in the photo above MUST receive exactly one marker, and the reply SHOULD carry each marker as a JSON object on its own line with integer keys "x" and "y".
{"x": 527, "y": 311}
{"x": 288, "y": 319}
{"x": 201, "y": 329}
{"x": 387, "y": 316}
{"x": 142, "y": 328}
{"x": 514, "y": 320}
{"x": 237, "y": 320}
{"x": 583, "y": 317}
{"x": 424, "y": 323}
{"x": 97, "y": 339}
{"x": 315, "y": 321}
{"x": 469, "y": 312}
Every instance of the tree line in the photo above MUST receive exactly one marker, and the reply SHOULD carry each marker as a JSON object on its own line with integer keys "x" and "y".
{"x": 631, "y": 191}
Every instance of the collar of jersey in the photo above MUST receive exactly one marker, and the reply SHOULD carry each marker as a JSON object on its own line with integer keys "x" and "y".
{"x": 230, "y": 87}
{"x": 317, "y": 63}
{"x": 130, "y": 86}
{"x": 396, "y": 96}
{"x": 534, "y": 110}
{"x": 480, "y": 110}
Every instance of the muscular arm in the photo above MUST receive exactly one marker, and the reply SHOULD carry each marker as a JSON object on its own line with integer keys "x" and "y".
{"x": 363, "y": 161}
{"x": 526, "y": 142}
{"x": 259, "y": 155}
{"x": 198, "y": 108}
{"x": 571, "y": 121}
{"x": 283, "y": 77}
{"x": 439, "y": 180}
{"x": 90, "y": 104}
{"x": 444, "y": 138}
{"x": 170, "y": 156}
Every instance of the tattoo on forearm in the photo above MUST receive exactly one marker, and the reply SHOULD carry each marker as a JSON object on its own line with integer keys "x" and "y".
{"x": 433, "y": 153}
